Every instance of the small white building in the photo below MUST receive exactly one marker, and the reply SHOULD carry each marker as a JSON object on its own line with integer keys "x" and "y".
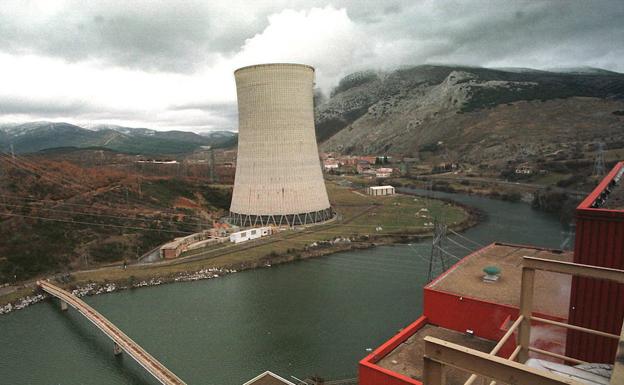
{"x": 383, "y": 172}
{"x": 246, "y": 235}
{"x": 380, "y": 190}
{"x": 330, "y": 165}
{"x": 268, "y": 378}
{"x": 524, "y": 170}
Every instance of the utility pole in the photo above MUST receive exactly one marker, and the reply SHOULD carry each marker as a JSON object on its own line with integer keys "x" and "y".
{"x": 429, "y": 195}
{"x": 599, "y": 162}
{"x": 439, "y": 233}
{"x": 212, "y": 166}
{"x": 2, "y": 192}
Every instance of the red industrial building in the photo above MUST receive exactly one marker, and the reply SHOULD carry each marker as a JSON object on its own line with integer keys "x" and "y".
{"x": 460, "y": 307}
{"x": 478, "y": 316}
{"x": 598, "y": 304}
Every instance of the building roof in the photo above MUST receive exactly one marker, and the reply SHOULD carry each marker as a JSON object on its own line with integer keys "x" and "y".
{"x": 609, "y": 194}
{"x": 268, "y": 378}
{"x": 407, "y": 358}
{"x": 466, "y": 278}
{"x": 380, "y": 187}
{"x": 173, "y": 244}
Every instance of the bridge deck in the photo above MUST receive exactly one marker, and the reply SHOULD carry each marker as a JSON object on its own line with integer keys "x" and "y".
{"x": 152, "y": 365}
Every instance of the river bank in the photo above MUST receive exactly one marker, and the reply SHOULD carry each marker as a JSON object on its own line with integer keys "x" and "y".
{"x": 315, "y": 249}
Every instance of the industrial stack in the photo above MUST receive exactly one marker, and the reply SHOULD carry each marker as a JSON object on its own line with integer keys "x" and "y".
{"x": 278, "y": 173}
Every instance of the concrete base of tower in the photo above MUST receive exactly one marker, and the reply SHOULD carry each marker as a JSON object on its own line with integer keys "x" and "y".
{"x": 299, "y": 219}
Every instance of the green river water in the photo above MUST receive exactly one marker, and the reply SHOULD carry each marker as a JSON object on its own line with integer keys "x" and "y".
{"x": 313, "y": 317}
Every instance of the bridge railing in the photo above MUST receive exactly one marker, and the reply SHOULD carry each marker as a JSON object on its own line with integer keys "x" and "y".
{"x": 121, "y": 340}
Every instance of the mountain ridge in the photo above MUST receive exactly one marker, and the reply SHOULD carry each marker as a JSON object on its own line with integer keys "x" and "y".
{"x": 42, "y": 135}
{"x": 410, "y": 110}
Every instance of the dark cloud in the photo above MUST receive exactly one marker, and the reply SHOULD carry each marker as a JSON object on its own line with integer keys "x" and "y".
{"x": 164, "y": 36}
{"x": 201, "y": 40}
{"x": 16, "y": 106}
{"x": 185, "y": 36}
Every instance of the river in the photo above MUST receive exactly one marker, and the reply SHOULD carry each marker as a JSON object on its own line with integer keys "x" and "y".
{"x": 313, "y": 317}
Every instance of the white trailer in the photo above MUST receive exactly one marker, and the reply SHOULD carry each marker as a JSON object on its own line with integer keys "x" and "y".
{"x": 246, "y": 235}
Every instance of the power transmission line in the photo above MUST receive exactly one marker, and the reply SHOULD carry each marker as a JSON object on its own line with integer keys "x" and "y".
{"x": 53, "y": 180}
{"x": 63, "y": 203}
{"x": 450, "y": 254}
{"x": 95, "y": 224}
{"x": 29, "y": 164}
{"x": 465, "y": 238}
{"x": 107, "y": 216}
{"x": 459, "y": 244}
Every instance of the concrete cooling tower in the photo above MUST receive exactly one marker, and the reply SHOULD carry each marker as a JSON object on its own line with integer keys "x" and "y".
{"x": 278, "y": 172}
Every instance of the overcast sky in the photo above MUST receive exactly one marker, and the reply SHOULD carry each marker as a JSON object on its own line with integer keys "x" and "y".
{"x": 169, "y": 64}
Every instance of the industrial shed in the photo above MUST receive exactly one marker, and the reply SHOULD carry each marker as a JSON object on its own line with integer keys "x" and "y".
{"x": 380, "y": 190}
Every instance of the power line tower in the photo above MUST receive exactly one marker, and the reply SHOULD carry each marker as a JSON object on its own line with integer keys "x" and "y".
{"x": 568, "y": 237}
{"x": 2, "y": 192}
{"x": 439, "y": 233}
{"x": 599, "y": 162}
{"x": 212, "y": 166}
{"x": 429, "y": 194}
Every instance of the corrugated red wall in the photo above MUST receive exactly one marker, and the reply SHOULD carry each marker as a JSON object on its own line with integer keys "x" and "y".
{"x": 597, "y": 304}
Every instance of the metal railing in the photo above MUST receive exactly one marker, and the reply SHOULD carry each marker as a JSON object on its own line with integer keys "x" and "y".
{"x": 439, "y": 353}
{"x": 120, "y": 339}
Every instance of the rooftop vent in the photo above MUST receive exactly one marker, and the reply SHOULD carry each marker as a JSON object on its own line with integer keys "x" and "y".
{"x": 492, "y": 274}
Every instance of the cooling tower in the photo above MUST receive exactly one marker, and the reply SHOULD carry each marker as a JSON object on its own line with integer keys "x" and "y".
{"x": 278, "y": 173}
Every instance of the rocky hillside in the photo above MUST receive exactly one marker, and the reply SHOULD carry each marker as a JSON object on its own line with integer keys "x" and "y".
{"x": 472, "y": 114}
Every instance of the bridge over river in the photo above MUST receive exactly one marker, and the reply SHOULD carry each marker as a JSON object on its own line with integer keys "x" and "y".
{"x": 121, "y": 341}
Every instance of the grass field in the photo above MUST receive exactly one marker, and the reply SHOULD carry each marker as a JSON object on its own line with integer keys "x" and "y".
{"x": 398, "y": 214}
{"x": 359, "y": 216}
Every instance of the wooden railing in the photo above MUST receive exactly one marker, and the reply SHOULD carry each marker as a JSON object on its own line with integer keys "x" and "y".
{"x": 526, "y": 300}
{"x": 498, "y": 347}
{"x": 439, "y": 353}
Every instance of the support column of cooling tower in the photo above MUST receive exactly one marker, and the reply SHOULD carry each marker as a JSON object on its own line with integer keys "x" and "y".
{"x": 278, "y": 173}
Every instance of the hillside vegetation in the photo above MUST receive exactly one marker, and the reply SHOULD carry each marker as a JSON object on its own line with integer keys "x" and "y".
{"x": 58, "y": 215}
